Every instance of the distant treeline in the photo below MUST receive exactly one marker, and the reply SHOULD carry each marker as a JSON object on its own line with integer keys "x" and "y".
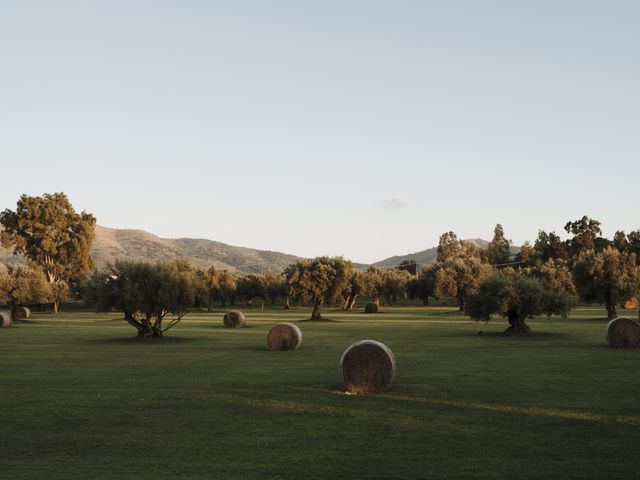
{"x": 56, "y": 241}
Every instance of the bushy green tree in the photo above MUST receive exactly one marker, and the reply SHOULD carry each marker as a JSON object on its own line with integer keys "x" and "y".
{"x": 319, "y": 280}
{"x": 357, "y": 284}
{"x": 252, "y": 287}
{"x": 49, "y": 232}
{"x": 276, "y": 287}
{"x": 22, "y": 285}
{"x": 549, "y": 245}
{"x": 145, "y": 292}
{"x": 448, "y": 246}
{"x": 607, "y": 277}
{"x": 587, "y": 235}
{"x": 215, "y": 284}
{"x": 555, "y": 275}
{"x": 395, "y": 283}
{"x": 423, "y": 286}
{"x": 499, "y": 249}
{"x": 458, "y": 276}
{"x": 374, "y": 284}
{"x": 516, "y": 296}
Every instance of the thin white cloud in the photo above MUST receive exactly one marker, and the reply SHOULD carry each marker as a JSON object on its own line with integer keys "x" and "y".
{"x": 394, "y": 204}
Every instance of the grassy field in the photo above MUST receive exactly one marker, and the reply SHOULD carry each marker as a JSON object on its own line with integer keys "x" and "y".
{"x": 81, "y": 399}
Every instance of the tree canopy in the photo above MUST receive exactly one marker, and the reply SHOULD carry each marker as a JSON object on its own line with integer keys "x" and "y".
{"x": 145, "y": 292}
{"x": 49, "y": 232}
{"x": 499, "y": 249}
{"x": 318, "y": 280}
{"x": 516, "y": 296}
{"x": 607, "y": 277}
{"x": 21, "y": 285}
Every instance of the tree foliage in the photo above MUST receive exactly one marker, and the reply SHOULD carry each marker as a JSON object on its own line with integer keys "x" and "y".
{"x": 215, "y": 284}
{"x": 49, "y": 232}
{"x": 357, "y": 284}
{"x": 499, "y": 249}
{"x": 395, "y": 283}
{"x": 549, "y": 246}
{"x": 516, "y": 296}
{"x": 456, "y": 277}
{"x": 318, "y": 280}
{"x": 448, "y": 246}
{"x": 587, "y": 235}
{"x": 607, "y": 277}
{"x": 145, "y": 292}
{"x": 423, "y": 286}
{"x": 22, "y": 285}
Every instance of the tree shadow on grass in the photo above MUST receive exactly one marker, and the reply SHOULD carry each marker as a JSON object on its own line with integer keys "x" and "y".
{"x": 308, "y": 320}
{"x": 168, "y": 340}
{"x": 533, "y": 336}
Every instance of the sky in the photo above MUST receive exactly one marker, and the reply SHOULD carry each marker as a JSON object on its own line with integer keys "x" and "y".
{"x": 356, "y": 128}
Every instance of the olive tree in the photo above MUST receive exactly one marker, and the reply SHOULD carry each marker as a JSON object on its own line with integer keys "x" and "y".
{"x": 458, "y": 276}
{"x": 357, "y": 284}
{"x": 214, "y": 285}
{"x": 516, "y": 296}
{"x": 22, "y": 285}
{"x": 499, "y": 249}
{"x": 395, "y": 283}
{"x": 374, "y": 284}
{"x": 607, "y": 277}
{"x": 146, "y": 293}
{"x": 424, "y": 286}
{"x": 251, "y": 287}
{"x": 318, "y": 280}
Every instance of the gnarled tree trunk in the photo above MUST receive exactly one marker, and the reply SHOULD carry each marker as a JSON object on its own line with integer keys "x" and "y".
{"x": 612, "y": 312}
{"x": 144, "y": 326}
{"x": 517, "y": 325}
{"x": 315, "y": 314}
{"x": 287, "y": 303}
{"x": 352, "y": 302}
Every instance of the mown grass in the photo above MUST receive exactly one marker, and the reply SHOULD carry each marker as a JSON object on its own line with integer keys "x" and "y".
{"x": 80, "y": 398}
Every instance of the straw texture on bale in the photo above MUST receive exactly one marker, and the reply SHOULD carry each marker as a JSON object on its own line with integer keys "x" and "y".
{"x": 623, "y": 332}
{"x": 23, "y": 313}
{"x": 284, "y": 337}
{"x": 371, "y": 308}
{"x": 5, "y": 320}
{"x": 367, "y": 366}
{"x": 234, "y": 319}
{"x": 633, "y": 302}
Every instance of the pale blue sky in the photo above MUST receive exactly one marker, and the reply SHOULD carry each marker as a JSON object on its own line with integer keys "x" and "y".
{"x": 363, "y": 128}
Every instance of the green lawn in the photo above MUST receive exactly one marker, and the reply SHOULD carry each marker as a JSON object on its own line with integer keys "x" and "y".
{"x": 79, "y": 398}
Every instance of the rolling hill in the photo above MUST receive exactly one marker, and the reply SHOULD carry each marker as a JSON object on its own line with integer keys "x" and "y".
{"x": 111, "y": 244}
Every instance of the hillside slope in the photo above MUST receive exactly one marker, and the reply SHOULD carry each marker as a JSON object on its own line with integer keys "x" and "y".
{"x": 111, "y": 244}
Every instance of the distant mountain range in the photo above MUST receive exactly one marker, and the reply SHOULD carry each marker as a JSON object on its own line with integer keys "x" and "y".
{"x": 111, "y": 244}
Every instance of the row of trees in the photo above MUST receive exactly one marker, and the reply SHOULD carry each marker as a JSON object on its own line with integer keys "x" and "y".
{"x": 56, "y": 241}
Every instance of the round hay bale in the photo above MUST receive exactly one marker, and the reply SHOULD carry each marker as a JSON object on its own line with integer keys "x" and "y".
{"x": 633, "y": 302}
{"x": 367, "y": 366}
{"x": 23, "y": 313}
{"x": 623, "y": 332}
{"x": 284, "y": 337}
{"x": 233, "y": 319}
{"x": 5, "y": 320}
{"x": 371, "y": 308}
